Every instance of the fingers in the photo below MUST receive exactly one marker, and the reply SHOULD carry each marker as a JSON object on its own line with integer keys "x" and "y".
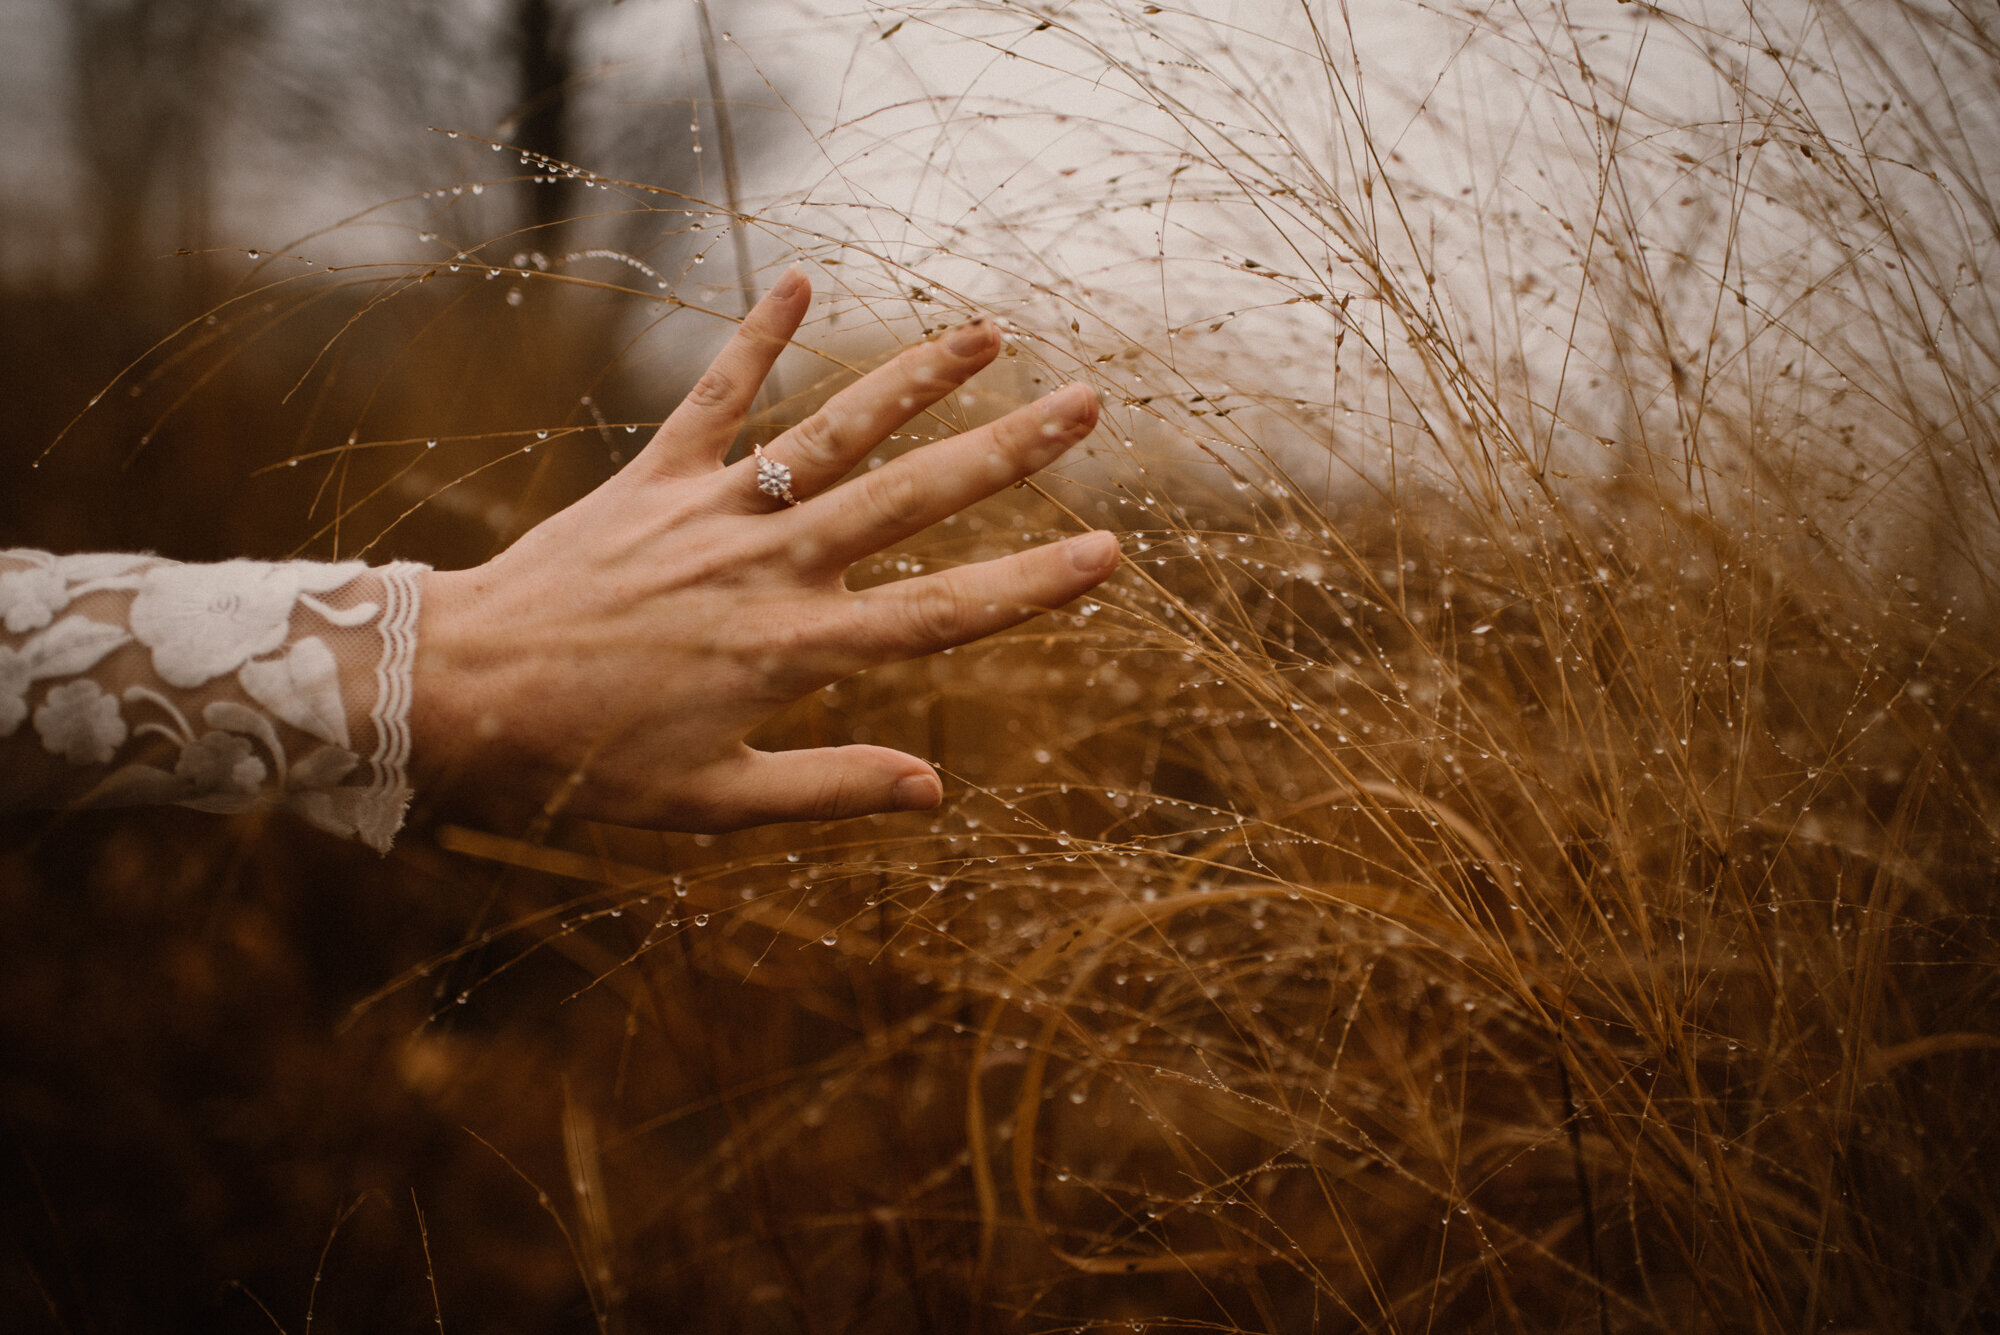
{"x": 820, "y": 450}
{"x": 828, "y": 783}
{"x": 694, "y": 439}
{"x": 913, "y": 617}
{"x": 917, "y": 490}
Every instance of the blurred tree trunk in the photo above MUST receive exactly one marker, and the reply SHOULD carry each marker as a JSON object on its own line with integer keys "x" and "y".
{"x": 540, "y": 123}
{"x": 149, "y": 79}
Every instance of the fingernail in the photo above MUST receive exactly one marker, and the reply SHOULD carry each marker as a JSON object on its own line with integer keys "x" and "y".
{"x": 789, "y": 282}
{"x": 969, "y": 340}
{"x": 1093, "y": 553}
{"x": 917, "y": 792}
{"x": 1071, "y": 402}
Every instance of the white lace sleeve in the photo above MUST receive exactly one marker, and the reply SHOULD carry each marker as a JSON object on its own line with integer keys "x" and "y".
{"x": 131, "y": 679}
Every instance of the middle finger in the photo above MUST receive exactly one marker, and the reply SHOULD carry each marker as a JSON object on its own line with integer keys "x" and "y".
{"x": 819, "y": 451}
{"x": 912, "y": 492}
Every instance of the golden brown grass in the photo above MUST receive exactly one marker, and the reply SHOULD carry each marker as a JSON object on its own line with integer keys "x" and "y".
{"x": 1513, "y": 851}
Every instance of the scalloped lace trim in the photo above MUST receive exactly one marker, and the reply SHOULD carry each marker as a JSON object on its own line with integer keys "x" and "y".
{"x": 128, "y": 679}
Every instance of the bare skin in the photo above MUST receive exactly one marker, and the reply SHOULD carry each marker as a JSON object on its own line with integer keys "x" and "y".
{"x": 611, "y": 662}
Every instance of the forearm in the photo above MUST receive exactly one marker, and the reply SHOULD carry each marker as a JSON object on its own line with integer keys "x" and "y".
{"x": 128, "y": 679}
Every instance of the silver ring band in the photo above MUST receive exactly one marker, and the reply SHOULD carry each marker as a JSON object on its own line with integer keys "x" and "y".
{"x": 773, "y": 478}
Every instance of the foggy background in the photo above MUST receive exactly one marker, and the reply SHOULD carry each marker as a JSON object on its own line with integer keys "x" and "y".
{"x": 269, "y": 171}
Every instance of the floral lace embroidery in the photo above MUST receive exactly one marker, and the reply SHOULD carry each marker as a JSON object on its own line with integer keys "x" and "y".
{"x": 219, "y": 687}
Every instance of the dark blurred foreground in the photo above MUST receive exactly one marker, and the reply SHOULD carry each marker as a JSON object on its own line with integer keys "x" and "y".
{"x": 190, "y": 1104}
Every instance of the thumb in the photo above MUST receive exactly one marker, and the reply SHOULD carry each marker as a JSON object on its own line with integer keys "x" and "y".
{"x": 823, "y": 783}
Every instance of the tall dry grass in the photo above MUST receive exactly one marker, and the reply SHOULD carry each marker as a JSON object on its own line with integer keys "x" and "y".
{"x": 1515, "y": 848}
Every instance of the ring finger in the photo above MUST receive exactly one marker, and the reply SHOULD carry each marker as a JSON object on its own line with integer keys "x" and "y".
{"x": 821, "y": 450}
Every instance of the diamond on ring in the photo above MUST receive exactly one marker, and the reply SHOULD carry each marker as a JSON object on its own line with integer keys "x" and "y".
{"x": 773, "y": 478}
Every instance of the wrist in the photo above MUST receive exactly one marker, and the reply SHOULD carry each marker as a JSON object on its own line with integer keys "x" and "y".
{"x": 455, "y": 715}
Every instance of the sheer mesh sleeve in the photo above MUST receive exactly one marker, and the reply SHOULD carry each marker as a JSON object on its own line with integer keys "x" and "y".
{"x": 131, "y": 679}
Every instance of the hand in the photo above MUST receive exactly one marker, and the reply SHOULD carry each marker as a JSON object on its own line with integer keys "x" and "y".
{"x": 610, "y": 663}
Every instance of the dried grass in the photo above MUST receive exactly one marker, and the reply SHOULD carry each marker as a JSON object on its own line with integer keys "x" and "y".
{"x": 1515, "y": 848}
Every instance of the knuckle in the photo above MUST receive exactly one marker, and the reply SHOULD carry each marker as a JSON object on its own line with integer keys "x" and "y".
{"x": 1010, "y": 453}
{"x": 817, "y": 440}
{"x": 788, "y": 654}
{"x": 715, "y": 389}
{"x": 895, "y": 498}
{"x": 936, "y": 615}
{"x": 1029, "y": 437}
{"x": 785, "y": 659}
{"x": 763, "y": 654}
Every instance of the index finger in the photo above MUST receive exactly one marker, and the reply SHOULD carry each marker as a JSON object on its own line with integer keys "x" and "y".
{"x": 699, "y": 431}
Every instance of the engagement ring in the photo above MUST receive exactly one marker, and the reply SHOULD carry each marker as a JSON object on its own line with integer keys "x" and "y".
{"x": 773, "y": 478}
